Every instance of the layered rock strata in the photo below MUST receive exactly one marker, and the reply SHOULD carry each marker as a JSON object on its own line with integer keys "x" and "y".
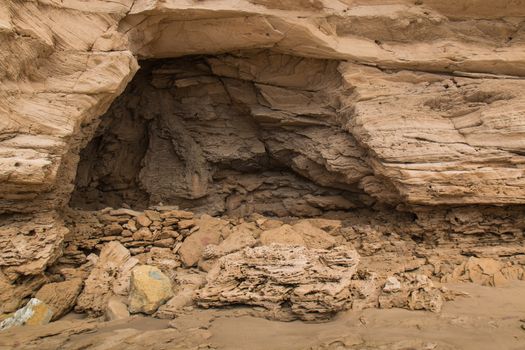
{"x": 406, "y": 111}
{"x": 306, "y": 284}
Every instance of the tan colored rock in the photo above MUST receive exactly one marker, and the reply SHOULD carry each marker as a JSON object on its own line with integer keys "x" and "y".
{"x": 110, "y": 276}
{"x": 211, "y": 230}
{"x": 413, "y": 292}
{"x": 284, "y": 234}
{"x": 29, "y": 244}
{"x": 241, "y": 236}
{"x": 403, "y": 153}
{"x": 131, "y": 225}
{"x": 183, "y": 224}
{"x": 414, "y": 104}
{"x": 486, "y": 272}
{"x": 186, "y": 283}
{"x": 149, "y": 288}
{"x": 143, "y": 221}
{"x": 314, "y": 237}
{"x": 13, "y": 295}
{"x": 330, "y": 226}
{"x": 34, "y": 313}
{"x": 60, "y": 296}
{"x": 116, "y": 309}
{"x": 153, "y": 215}
{"x": 290, "y": 282}
{"x": 177, "y": 214}
{"x": 113, "y": 229}
{"x": 143, "y": 234}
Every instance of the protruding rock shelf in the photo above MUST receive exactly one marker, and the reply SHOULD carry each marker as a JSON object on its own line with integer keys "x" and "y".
{"x": 290, "y": 158}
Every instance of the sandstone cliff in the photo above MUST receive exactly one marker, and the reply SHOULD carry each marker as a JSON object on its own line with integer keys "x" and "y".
{"x": 410, "y": 111}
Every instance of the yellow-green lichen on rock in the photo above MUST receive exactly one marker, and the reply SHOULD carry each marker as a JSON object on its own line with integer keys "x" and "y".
{"x": 149, "y": 289}
{"x": 34, "y": 313}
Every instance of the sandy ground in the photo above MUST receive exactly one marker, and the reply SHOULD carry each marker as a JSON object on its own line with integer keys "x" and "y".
{"x": 490, "y": 318}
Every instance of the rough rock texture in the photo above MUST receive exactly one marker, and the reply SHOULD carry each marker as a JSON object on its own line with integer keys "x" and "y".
{"x": 404, "y": 118}
{"x": 149, "y": 289}
{"x": 60, "y": 296}
{"x": 34, "y": 313}
{"x": 116, "y": 309}
{"x": 110, "y": 276}
{"x": 346, "y": 94}
{"x": 290, "y": 282}
{"x": 414, "y": 292}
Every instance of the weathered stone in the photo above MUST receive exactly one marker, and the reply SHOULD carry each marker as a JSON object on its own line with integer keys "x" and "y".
{"x": 313, "y": 236}
{"x": 183, "y": 224}
{"x": 143, "y": 221}
{"x": 34, "y": 313}
{"x": 165, "y": 243}
{"x": 124, "y": 211}
{"x": 415, "y": 292}
{"x": 240, "y": 237}
{"x": 284, "y": 234}
{"x": 149, "y": 289}
{"x": 177, "y": 214}
{"x": 110, "y": 276}
{"x": 484, "y": 271}
{"x": 113, "y": 229}
{"x": 290, "y": 282}
{"x": 153, "y": 215}
{"x": 210, "y": 232}
{"x": 143, "y": 234}
{"x": 116, "y": 309}
{"x": 60, "y": 296}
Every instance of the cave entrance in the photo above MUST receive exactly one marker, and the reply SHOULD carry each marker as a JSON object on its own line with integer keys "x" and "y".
{"x": 231, "y": 134}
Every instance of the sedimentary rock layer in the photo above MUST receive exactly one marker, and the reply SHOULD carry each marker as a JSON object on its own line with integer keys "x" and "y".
{"x": 452, "y": 137}
{"x": 411, "y": 111}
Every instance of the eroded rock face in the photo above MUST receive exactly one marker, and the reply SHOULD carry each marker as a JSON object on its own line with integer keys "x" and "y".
{"x": 290, "y": 282}
{"x": 407, "y": 114}
{"x": 286, "y": 93}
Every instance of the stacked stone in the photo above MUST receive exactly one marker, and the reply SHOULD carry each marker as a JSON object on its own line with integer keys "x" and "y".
{"x": 161, "y": 226}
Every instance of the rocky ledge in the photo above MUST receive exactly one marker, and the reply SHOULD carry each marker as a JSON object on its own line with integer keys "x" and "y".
{"x": 300, "y": 157}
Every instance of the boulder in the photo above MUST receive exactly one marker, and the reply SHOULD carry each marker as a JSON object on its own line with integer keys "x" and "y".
{"x": 486, "y": 272}
{"x": 412, "y": 292}
{"x": 241, "y": 236}
{"x": 288, "y": 282}
{"x": 60, "y": 296}
{"x": 110, "y": 276}
{"x": 143, "y": 221}
{"x": 149, "y": 289}
{"x": 313, "y": 236}
{"x": 33, "y": 314}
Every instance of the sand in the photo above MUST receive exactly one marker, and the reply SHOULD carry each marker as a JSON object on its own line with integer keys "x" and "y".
{"x": 488, "y": 318}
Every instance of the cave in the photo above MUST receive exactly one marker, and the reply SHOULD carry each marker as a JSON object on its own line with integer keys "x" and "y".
{"x": 233, "y": 134}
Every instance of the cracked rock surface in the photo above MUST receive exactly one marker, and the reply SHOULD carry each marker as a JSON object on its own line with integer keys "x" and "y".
{"x": 303, "y": 283}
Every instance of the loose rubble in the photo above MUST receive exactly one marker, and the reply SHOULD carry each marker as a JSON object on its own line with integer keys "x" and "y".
{"x": 110, "y": 276}
{"x": 164, "y": 261}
